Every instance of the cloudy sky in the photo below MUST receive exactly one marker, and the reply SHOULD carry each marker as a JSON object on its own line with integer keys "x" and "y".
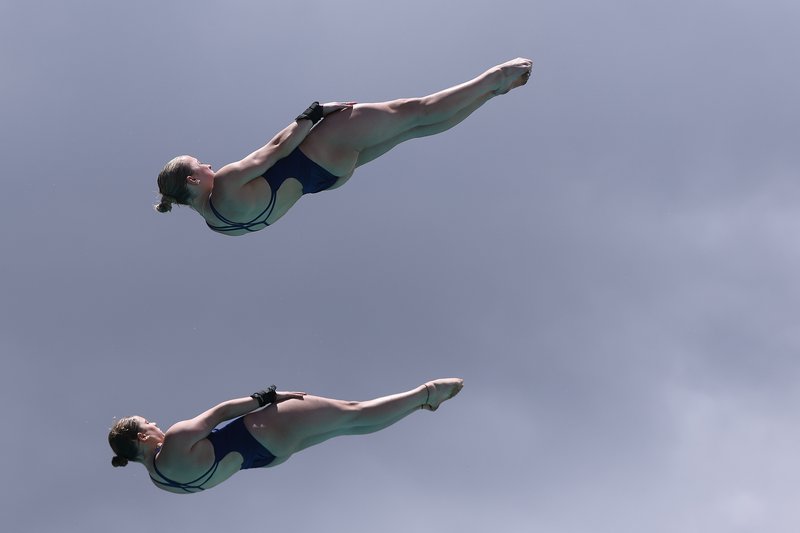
{"x": 608, "y": 257}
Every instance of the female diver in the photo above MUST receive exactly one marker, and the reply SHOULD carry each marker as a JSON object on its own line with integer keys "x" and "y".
{"x": 193, "y": 456}
{"x": 301, "y": 160}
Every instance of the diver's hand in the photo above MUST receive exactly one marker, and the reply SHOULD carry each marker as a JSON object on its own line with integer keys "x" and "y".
{"x": 333, "y": 107}
{"x": 282, "y": 396}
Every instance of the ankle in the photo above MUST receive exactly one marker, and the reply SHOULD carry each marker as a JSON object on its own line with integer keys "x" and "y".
{"x": 426, "y": 388}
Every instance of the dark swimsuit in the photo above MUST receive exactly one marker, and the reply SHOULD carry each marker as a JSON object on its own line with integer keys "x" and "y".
{"x": 231, "y": 438}
{"x": 296, "y": 165}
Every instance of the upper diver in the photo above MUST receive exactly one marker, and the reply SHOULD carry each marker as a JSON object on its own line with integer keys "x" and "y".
{"x": 320, "y": 150}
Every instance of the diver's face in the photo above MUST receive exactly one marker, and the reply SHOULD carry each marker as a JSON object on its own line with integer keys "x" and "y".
{"x": 200, "y": 170}
{"x": 148, "y": 429}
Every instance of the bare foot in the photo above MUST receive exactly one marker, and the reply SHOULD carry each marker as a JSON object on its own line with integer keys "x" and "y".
{"x": 440, "y": 390}
{"x": 515, "y": 73}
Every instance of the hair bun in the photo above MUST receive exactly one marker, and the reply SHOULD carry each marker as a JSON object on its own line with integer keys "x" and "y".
{"x": 165, "y": 205}
{"x": 118, "y": 461}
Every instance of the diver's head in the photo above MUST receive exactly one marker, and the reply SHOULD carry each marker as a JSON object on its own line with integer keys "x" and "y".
{"x": 181, "y": 180}
{"x": 130, "y": 436}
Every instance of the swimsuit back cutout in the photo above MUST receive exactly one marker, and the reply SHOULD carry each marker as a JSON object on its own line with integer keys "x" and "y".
{"x": 296, "y": 165}
{"x": 196, "y": 485}
{"x": 233, "y": 437}
{"x": 230, "y": 225}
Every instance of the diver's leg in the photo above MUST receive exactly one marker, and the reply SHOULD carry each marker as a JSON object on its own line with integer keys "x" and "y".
{"x": 373, "y": 152}
{"x": 294, "y": 425}
{"x": 375, "y": 415}
{"x": 336, "y": 142}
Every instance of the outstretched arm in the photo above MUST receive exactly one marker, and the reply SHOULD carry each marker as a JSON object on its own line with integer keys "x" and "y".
{"x": 187, "y": 433}
{"x": 237, "y": 174}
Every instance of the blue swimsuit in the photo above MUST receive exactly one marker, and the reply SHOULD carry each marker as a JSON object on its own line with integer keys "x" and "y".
{"x": 231, "y": 438}
{"x": 296, "y": 165}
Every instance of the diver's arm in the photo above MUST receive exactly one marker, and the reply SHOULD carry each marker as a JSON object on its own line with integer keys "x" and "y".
{"x": 237, "y": 174}
{"x": 191, "y": 431}
{"x": 199, "y": 427}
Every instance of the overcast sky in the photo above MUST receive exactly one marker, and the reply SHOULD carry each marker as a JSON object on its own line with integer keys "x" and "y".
{"x": 608, "y": 257}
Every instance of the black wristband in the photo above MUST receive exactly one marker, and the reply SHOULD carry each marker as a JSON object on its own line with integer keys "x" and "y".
{"x": 313, "y": 113}
{"x": 265, "y": 396}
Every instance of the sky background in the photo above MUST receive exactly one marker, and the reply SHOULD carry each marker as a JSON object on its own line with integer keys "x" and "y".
{"x": 608, "y": 257}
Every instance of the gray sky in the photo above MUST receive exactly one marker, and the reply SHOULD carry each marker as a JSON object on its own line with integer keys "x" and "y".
{"x": 608, "y": 256}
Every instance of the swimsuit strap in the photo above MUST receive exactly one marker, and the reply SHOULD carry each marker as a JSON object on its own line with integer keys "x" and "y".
{"x": 234, "y": 226}
{"x": 194, "y": 485}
